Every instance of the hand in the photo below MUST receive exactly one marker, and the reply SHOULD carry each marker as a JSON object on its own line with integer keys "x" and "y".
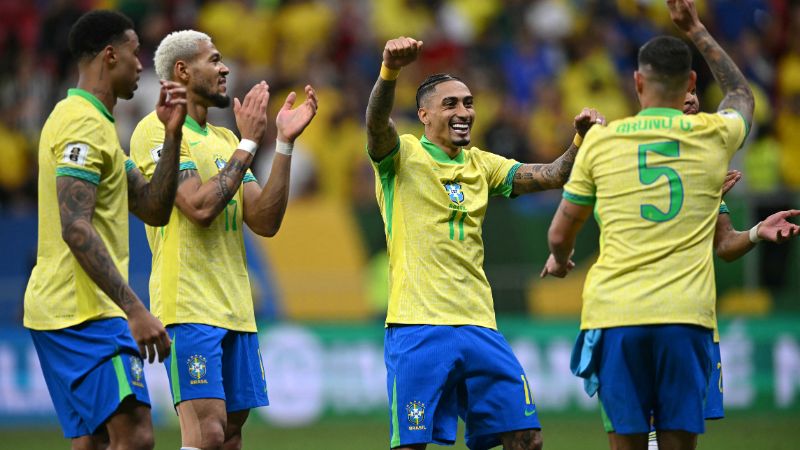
{"x": 149, "y": 334}
{"x": 401, "y": 52}
{"x": 556, "y": 269}
{"x": 731, "y": 178}
{"x": 586, "y": 119}
{"x": 171, "y": 106}
{"x": 291, "y": 122}
{"x": 684, "y": 14}
{"x": 251, "y": 114}
{"x": 776, "y": 228}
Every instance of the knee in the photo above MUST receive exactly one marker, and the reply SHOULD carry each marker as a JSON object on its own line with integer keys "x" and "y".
{"x": 523, "y": 440}
{"x": 536, "y": 442}
{"x": 140, "y": 438}
{"x": 213, "y": 434}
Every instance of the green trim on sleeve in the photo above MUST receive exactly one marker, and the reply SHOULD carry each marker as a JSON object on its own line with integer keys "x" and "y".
{"x": 583, "y": 200}
{"x": 387, "y": 175}
{"x": 187, "y": 165}
{"x": 81, "y": 174}
{"x": 249, "y": 177}
{"x": 389, "y": 155}
{"x": 507, "y": 187}
{"x": 129, "y": 165}
{"x": 723, "y": 208}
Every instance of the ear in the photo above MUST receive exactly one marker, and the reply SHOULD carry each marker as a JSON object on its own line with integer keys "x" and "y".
{"x": 638, "y": 81}
{"x": 181, "y": 72}
{"x": 109, "y": 54}
{"x": 692, "y": 81}
{"x": 423, "y": 116}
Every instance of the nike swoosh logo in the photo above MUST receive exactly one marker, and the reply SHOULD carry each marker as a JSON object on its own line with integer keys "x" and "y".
{"x": 530, "y": 413}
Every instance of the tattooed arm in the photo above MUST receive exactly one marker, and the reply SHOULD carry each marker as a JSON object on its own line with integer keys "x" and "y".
{"x": 734, "y": 86}
{"x": 202, "y": 202}
{"x": 540, "y": 177}
{"x": 76, "y": 201}
{"x": 381, "y": 134}
{"x": 564, "y": 229}
{"x": 152, "y": 201}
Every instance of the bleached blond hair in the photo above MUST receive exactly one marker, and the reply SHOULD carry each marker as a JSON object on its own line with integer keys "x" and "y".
{"x": 178, "y": 45}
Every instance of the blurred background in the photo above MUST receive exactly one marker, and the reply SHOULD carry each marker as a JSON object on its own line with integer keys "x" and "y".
{"x": 320, "y": 285}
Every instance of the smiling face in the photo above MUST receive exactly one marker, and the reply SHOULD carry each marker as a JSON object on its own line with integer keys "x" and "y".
{"x": 208, "y": 76}
{"x": 691, "y": 104}
{"x": 126, "y": 70}
{"x": 448, "y": 114}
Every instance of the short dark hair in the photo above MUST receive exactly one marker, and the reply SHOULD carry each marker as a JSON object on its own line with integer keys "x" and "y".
{"x": 95, "y": 30}
{"x": 430, "y": 83}
{"x": 668, "y": 56}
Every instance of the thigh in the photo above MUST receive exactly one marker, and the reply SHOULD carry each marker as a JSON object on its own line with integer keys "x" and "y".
{"x": 714, "y": 407}
{"x": 498, "y": 397}
{"x": 90, "y": 369}
{"x": 243, "y": 374}
{"x": 683, "y": 367}
{"x": 421, "y": 376}
{"x": 194, "y": 365}
{"x": 626, "y": 378}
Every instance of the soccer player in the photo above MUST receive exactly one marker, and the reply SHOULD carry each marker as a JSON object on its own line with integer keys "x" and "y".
{"x": 77, "y": 298}
{"x": 654, "y": 181}
{"x": 730, "y": 245}
{"x": 444, "y": 356}
{"x": 199, "y": 286}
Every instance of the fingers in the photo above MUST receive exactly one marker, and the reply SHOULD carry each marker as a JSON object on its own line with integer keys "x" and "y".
{"x": 544, "y": 272}
{"x": 163, "y": 345}
{"x": 237, "y": 105}
{"x": 792, "y": 213}
{"x": 289, "y": 101}
{"x": 162, "y": 95}
{"x": 311, "y": 97}
{"x": 142, "y": 350}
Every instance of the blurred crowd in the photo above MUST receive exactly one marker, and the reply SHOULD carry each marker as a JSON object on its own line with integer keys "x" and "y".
{"x": 532, "y": 65}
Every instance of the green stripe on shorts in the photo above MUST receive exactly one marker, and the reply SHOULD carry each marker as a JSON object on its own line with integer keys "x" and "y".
{"x": 607, "y": 425}
{"x": 122, "y": 378}
{"x": 173, "y": 372}
{"x": 395, "y": 422}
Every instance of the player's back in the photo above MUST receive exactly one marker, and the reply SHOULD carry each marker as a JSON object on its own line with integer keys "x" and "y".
{"x": 657, "y": 178}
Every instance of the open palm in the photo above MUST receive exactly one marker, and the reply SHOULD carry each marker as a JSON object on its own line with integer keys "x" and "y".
{"x": 291, "y": 122}
{"x": 171, "y": 106}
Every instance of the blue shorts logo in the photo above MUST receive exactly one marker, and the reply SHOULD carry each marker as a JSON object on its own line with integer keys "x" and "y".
{"x": 454, "y": 192}
{"x": 197, "y": 369}
{"x": 416, "y": 415}
{"x": 137, "y": 371}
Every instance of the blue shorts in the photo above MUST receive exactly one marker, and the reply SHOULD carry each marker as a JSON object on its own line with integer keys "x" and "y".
{"x": 714, "y": 409}
{"x": 89, "y": 369}
{"x": 663, "y": 369}
{"x": 212, "y": 362}
{"x": 437, "y": 373}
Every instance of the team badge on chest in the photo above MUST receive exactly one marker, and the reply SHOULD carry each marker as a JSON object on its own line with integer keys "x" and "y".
{"x": 453, "y": 189}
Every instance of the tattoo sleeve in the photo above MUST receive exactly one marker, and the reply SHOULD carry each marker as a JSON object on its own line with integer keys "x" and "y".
{"x": 539, "y": 177}
{"x": 152, "y": 202}
{"x": 76, "y": 202}
{"x": 734, "y": 85}
{"x": 381, "y": 134}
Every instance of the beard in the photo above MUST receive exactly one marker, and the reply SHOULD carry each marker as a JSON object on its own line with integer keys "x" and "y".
{"x": 218, "y": 100}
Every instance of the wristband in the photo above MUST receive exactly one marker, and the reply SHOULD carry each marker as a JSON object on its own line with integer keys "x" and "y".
{"x": 577, "y": 140}
{"x": 754, "y": 234}
{"x": 389, "y": 74}
{"x": 248, "y": 146}
{"x": 284, "y": 148}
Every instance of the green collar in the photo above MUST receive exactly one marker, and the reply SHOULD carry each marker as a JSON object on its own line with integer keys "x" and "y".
{"x": 438, "y": 154}
{"x": 669, "y": 112}
{"x": 194, "y": 126}
{"x": 93, "y": 100}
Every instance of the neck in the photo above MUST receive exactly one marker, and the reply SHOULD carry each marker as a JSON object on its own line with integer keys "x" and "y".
{"x": 95, "y": 79}
{"x": 447, "y": 147}
{"x": 653, "y": 101}
{"x": 197, "y": 111}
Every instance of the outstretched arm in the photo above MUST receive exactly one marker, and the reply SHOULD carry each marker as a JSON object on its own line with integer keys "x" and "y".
{"x": 567, "y": 222}
{"x": 264, "y": 208}
{"x": 731, "y": 245}
{"x": 539, "y": 177}
{"x": 381, "y": 135}
{"x": 76, "y": 203}
{"x": 734, "y": 86}
{"x": 202, "y": 202}
{"x": 152, "y": 201}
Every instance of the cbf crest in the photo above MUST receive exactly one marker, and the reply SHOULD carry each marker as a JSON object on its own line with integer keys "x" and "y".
{"x": 453, "y": 189}
{"x": 416, "y": 415}
{"x": 137, "y": 371}
{"x": 197, "y": 369}
{"x": 219, "y": 162}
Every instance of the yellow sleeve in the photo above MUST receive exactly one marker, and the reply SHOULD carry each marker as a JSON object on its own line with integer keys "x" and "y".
{"x": 79, "y": 149}
{"x": 580, "y": 189}
{"x": 147, "y": 141}
{"x": 499, "y": 172}
{"x": 734, "y": 127}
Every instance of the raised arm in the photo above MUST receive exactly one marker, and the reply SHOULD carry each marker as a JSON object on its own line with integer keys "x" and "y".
{"x": 567, "y": 222}
{"x": 264, "y": 208}
{"x": 76, "y": 202}
{"x": 736, "y": 90}
{"x": 202, "y": 202}
{"x": 539, "y": 177}
{"x": 381, "y": 134}
{"x": 731, "y": 245}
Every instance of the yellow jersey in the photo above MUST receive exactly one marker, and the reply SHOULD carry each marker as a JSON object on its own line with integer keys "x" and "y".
{"x": 433, "y": 209}
{"x": 655, "y": 182}
{"x": 199, "y": 274}
{"x": 78, "y": 140}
